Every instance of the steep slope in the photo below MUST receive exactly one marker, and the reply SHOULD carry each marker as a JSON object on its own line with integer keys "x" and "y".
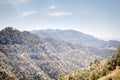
{"x": 29, "y": 57}
{"x": 16, "y": 46}
{"x": 114, "y": 75}
{"x": 77, "y": 38}
{"x": 5, "y": 72}
{"x": 108, "y": 69}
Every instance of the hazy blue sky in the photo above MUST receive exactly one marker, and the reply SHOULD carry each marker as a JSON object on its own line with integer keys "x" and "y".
{"x": 100, "y": 18}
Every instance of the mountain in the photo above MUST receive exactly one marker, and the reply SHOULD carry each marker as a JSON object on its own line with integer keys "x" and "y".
{"x": 76, "y": 37}
{"x": 108, "y": 69}
{"x": 27, "y": 56}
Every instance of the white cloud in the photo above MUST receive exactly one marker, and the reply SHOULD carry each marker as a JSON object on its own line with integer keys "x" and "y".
{"x": 12, "y": 1}
{"x": 52, "y": 7}
{"x": 59, "y": 14}
{"x": 27, "y": 13}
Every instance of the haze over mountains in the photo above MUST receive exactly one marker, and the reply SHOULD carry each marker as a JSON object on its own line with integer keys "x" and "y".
{"x": 45, "y": 54}
{"x": 76, "y": 37}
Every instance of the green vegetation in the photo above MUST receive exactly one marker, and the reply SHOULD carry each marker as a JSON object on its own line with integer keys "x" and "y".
{"x": 96, "y": 61}
{"x": 93, "y": 75}
{"x": 13, "y": 36}
{"x": 25, "y": 56}
{"x": 5, "y": 73}
{"x": 108, "y": 69}
{"x": 118, "y": 62}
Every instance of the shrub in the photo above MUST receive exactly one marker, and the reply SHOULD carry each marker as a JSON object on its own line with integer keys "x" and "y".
{"x": 93, "y": 75}
{"x": 96, "y": 61}
{"x": 118, "y": 62}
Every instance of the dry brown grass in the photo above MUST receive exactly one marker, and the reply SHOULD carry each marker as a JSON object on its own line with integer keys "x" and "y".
{"x": 114, "y": 75}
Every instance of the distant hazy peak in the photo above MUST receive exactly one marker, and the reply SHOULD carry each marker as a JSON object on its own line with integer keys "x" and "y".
{"x": 77, "y": 37}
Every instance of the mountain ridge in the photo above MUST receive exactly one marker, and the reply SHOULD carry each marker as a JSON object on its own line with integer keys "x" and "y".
{"x": 29, "y": 56}
{"x": 77, "y": 37}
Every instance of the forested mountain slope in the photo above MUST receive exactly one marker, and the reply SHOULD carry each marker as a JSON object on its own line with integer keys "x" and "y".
{"x": 108, "y": 69}
{"x": 26, "y": 56}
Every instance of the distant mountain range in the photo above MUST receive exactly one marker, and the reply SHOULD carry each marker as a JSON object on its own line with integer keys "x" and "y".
{"x": 27, "y": 56}
{"x": 76, "y": 37}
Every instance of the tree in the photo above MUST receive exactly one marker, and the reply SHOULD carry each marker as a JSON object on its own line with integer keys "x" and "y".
{"x": 118, "y": 62}
{"x": 60, "y": 76}
{"x": 118, "y": 56}
{"x": 96, "y": 61}
{"x": 118, "y": 49}
{"x": 91, "y": 64}
{"x": 104, "y": 72}
{"x": 93, "y": 75}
